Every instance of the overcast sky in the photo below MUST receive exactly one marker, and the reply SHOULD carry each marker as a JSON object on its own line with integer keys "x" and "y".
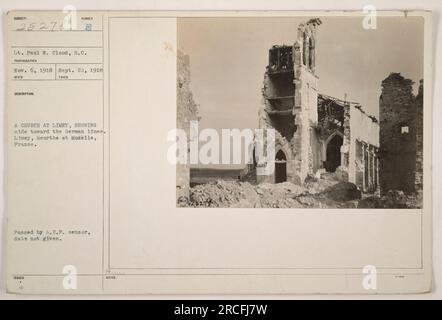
{"x": 228, "y": 57}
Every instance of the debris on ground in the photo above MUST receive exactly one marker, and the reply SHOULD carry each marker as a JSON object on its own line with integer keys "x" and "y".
{"x": 343, "y": 191}
{"x": 393, "y": 199}
{"x": 315, "y": 193}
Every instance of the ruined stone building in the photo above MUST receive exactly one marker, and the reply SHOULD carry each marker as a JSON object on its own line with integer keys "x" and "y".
{"x": 315, "y": 133}
{"x": 187, "y": 110}
{"x": 319, "y": 135}
{"x": 401, "y": 135}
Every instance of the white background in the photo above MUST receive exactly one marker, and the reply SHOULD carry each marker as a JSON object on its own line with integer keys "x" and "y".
{"x": 434, "y": 5}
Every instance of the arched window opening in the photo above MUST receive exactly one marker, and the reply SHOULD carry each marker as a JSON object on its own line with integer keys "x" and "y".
{"x": 305, "y": 50}
{"x": 333, "y": 153}
{"x": 280, "y": 167}
{"x": 311, "y": 50}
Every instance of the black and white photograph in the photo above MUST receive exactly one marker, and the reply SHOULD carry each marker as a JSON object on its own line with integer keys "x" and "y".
{"x": 275, "y": 152}
{"x": 341, "y": 96}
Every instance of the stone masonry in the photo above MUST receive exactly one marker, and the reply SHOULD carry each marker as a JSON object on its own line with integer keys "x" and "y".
{"x": 187, "y": 110}
{"x": 315, "y": 133}
{"x": 401, "y": 135}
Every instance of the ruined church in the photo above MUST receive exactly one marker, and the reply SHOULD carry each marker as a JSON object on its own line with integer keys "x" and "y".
{"x": 319, "y": 135}
{"x": 315, "y": 133}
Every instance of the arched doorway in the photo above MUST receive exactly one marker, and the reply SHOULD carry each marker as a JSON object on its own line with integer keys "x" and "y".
{"x": 333, "y": 153}
{"x": 280, "y": 167}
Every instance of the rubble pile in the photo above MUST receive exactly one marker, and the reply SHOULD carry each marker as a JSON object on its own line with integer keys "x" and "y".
{"x": 223, "y": 194}
{"x": 317, "y": 193}
{"x": 281, "y": 195}
{"x": 394, "y": 199}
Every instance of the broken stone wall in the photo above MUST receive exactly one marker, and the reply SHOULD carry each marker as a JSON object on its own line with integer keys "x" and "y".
{"x": 333, "y": 123}
{"x": 316, "y": 150}
{"x": 419, "y": 137}
{"x": 306, "y": 101}
{"x": 397, "y": 109}
{"x": 363, "y": 147}
{"x": 282, "y": 144}
{"x": 359, "y": 169}
{"x": 187, "y": 111}
{"x": 346, "y": 143}
{"x": 290, "y": 99}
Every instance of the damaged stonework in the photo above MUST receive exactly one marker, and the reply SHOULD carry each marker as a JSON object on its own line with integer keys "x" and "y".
{"x": 290, "y": 104}
{"x": 316, "y": 133}
{"x": 187, "y": 110}
{"x": 350, "y": 141}
{"x": 419, "y": 138}
{"x": 401, "y": 135}
{"x": 364, "y": 136}
{"x": 319, "y": 139}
